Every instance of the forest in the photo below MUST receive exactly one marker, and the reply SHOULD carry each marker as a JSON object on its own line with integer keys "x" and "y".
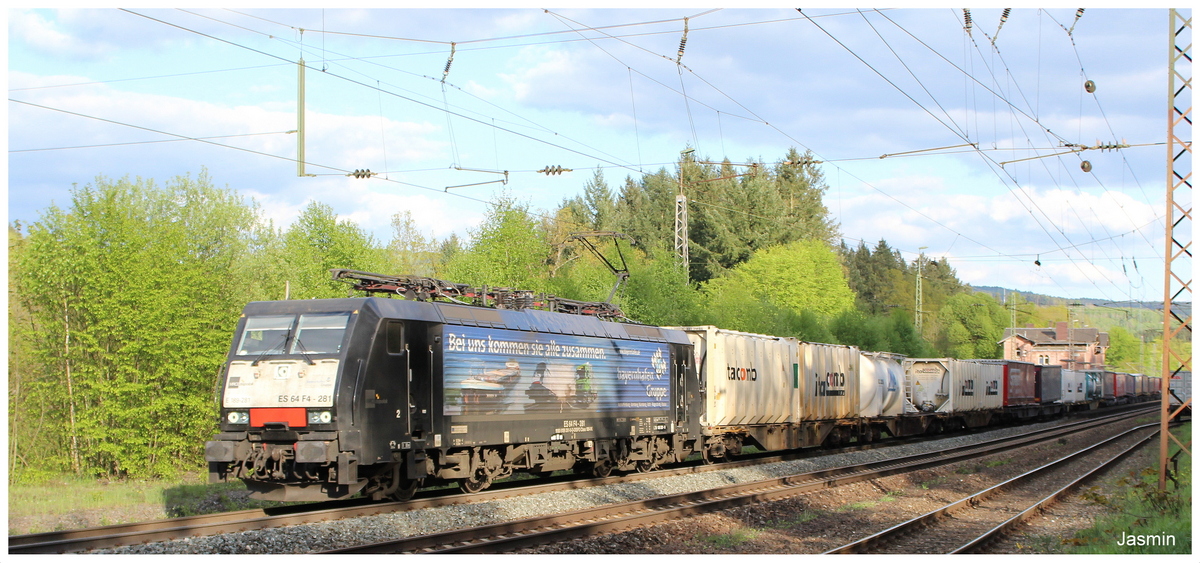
{"x": 122, "y": 305}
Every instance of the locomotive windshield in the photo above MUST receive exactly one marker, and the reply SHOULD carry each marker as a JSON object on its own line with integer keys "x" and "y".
{"x": 265, "y": 335}
{"x": 319, "y": 334}
{"x": 313, "y": 334}
{"x": 278, "y": 361}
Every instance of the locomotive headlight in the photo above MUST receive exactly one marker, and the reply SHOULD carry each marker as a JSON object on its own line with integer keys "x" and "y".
{"x": 319, "y": 417}
{"x": 236, "y": 417}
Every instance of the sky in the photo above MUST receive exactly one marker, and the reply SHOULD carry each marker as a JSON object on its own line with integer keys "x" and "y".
{"x": 962, "y": 145}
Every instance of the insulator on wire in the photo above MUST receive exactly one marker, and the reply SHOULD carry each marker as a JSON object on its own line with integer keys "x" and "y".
{"x": 554, "y": 170}
{"x": 967, "y": 19}
{"x": 449, "y": 62}
{"x": 1003, "y": 18}
{"x": 682, "y": 41}
{"x": 1078, "y": 14}
{"x": 366, "y": 173}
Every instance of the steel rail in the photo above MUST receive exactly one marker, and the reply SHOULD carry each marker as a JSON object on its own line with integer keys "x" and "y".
{"x": 869, "y": 543}
{"x": 257, "y": 519}
{"x": 974, "y": 546}
{"x": 509, "y": 536}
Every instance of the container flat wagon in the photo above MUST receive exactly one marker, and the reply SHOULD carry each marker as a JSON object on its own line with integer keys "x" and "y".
{"x": 967, "y": 393}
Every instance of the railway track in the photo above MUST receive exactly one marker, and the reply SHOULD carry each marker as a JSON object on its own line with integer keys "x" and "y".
{"x": 228, "y": 522}
{"x": 969, "y": 524}
{"x": 257, "y": 519}
{"x": 511, "y": 536}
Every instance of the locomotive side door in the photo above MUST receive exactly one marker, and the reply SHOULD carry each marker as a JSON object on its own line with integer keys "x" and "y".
{"x": 384, "y": 390}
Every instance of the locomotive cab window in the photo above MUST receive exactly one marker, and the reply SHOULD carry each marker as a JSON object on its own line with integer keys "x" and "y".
{"x": 320, "y": 334}
{"x": 395, "y": 337}
{"x": 265, "y": 335}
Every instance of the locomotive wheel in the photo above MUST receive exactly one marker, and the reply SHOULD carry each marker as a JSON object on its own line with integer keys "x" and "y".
{"x": 475, "y": 483}
{"x": 406, "y": 490}
{"x": 645, "y": 466}
{"x": 603, "y": 468}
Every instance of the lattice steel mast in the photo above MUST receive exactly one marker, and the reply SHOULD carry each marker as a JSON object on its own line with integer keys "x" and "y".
{"x": 1177, "y": 283}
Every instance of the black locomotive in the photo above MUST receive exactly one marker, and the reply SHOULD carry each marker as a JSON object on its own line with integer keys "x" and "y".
{"x": 330, "y": 398}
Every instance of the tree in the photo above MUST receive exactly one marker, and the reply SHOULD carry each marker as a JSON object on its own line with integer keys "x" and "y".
{"x": 508, "y": 250}
{"x": 800, "y": 276}
{"x": 657, "y": 294}
{"x": 974, "y": 324}
{"x": 1124, "y": 350}
{"x": 318, "y": 242}
{"x": 599, "y": 205}
{"x": 133, "y": 293}
{"x": 410, "y": 252}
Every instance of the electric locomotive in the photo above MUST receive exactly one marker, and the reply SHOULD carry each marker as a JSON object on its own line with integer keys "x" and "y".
{"x": 335, "y": 397}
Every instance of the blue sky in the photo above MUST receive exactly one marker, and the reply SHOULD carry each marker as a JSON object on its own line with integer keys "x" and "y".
{"x": 586, "y": 88}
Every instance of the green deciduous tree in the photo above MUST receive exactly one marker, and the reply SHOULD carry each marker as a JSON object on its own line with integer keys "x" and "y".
{"x": 508, "y": 250}
{"x": 411, "y": 252}
{"x": 800, "y": 276}
{"x": 1124, "y": 350}
{"x": 973, "y": 326}
{"x": 132, "y": 290}
{"x": 317, "y": 242}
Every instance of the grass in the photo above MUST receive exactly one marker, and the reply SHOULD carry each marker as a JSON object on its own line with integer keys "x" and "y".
{"x": 734, "y": 538}
{"x": 932, "y": 483}
{"x": 865, "y": 504}
{"x": 56, "y": 500}
{"x": 1139, "y": 509}
{"x": 891, "y": 497}
{"x": 860, "y": 505}
{"x": 66, "y": 495}
{"x": 790, "y": 522}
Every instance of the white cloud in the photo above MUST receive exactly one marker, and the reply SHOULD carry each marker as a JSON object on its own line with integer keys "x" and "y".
{"x": 44, "y": 35}
{"x": 1105, "y": 230}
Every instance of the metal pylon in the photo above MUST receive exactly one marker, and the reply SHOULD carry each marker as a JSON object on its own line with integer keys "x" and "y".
{"x": 1177, "y": 283}
{"x": 681, "y": 233}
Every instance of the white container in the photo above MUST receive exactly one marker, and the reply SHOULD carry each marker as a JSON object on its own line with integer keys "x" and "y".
{"x": 749, "y": 378}
{"x": 949, "y": 385}
{"x": 1072, "y": 387}
{"x": 828, "y": 381}
{"x": 880, "y": 388}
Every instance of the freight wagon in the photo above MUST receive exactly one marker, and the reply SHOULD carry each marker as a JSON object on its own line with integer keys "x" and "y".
{"x": 1118, "y": 388}
{"x": 773, "y": 393}
{"x": 967, "y": 392}
{"x": 1018, "y": 388}
{"x": 1080, "y": 390}
{"x": 1141, "y": 387}
{"x": 1048, "y": 390}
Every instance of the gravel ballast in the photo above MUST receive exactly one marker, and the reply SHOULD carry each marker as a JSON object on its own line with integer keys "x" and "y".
{"x": 306, "y": 538}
